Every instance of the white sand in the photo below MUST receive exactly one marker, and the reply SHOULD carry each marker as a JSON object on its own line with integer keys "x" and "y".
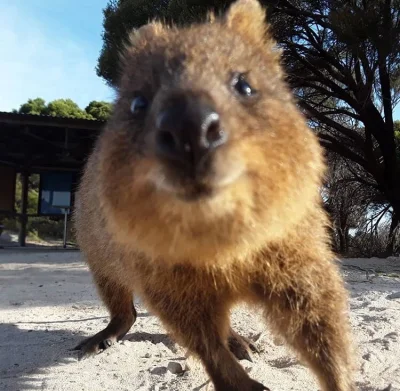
{"x": 48, "y": 304}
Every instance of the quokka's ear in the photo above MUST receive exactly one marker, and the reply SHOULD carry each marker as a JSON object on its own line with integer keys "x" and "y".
{"x": 139, "y": 38}
{"x": 247, "y": 17}
{"x": 145, "y": 33}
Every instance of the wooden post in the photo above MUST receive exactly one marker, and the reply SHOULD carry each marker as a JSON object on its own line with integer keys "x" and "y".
{"x": 66, "y": 211}
{"x": 24, "y": 199}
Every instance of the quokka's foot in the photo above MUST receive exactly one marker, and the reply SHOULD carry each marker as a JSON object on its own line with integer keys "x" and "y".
{"x": 93, "y": 345}
{"x": 114, "y": 332}
{"x": 240, "y": 346}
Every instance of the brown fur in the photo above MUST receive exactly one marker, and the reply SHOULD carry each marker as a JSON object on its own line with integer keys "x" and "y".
{"x": 260, "y": 237}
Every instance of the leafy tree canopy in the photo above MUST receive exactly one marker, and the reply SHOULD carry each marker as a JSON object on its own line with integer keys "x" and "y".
{"x": 66, "y": 108}
{"x": 33, "y": 106}
{"x": 99, "y": 110}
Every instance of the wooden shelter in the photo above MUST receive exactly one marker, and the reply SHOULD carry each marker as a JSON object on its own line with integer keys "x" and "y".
{"x": 40, "y": 144}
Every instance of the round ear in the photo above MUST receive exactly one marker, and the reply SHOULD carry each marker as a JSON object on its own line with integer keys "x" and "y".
{"x": 247, "y": 17}
{"x": 137, "y": 40}
{"x": 145, "y": 33}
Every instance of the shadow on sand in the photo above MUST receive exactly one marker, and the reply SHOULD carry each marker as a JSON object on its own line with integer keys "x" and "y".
{"x": 27, "y": 356}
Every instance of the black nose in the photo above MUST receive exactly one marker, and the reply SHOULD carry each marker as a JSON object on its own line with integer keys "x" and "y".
{"x": 188, "y": 131}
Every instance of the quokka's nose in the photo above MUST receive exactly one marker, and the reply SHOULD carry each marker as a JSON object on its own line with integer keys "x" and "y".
{"x": 187, "y": 131}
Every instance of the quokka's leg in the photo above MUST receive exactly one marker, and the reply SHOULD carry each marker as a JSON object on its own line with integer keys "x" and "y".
{"x": 311, "y": 314}
{"x": 119, "y": 302}
{"x": 203, "y": 329}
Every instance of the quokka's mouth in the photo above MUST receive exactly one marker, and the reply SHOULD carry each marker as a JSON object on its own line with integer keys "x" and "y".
{"x": 191, "y": 189}
{"x": 196, "y": 193}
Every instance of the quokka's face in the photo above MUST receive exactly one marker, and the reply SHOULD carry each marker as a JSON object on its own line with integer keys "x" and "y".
{"x": 205, "y": 131}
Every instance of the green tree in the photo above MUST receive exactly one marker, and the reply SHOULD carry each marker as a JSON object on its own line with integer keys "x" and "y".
{"x": 99, "y": 110}
{"x": 33, "y": 106}
{"x": 66, "y": 108}
{"x": 397, "y": 129}
{"x": 33, "y": 194}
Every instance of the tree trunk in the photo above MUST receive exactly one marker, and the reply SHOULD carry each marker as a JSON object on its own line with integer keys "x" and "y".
{"x": 392, "y": 233}
{"x": 343, "y": 241}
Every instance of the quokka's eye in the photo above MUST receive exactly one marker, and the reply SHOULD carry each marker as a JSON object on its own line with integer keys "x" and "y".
{"x": 242, "y": 86}
{"x": 139, "y": 105}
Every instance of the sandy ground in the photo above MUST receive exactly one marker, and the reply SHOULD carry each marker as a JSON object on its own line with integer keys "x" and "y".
{"x": 48, "y": 304}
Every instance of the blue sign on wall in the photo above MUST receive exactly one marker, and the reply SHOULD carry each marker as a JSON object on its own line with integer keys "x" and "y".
{"x": 55, "y": 192}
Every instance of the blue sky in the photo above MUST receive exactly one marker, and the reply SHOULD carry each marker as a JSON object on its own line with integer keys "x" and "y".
{"x": 49, "y": 49}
